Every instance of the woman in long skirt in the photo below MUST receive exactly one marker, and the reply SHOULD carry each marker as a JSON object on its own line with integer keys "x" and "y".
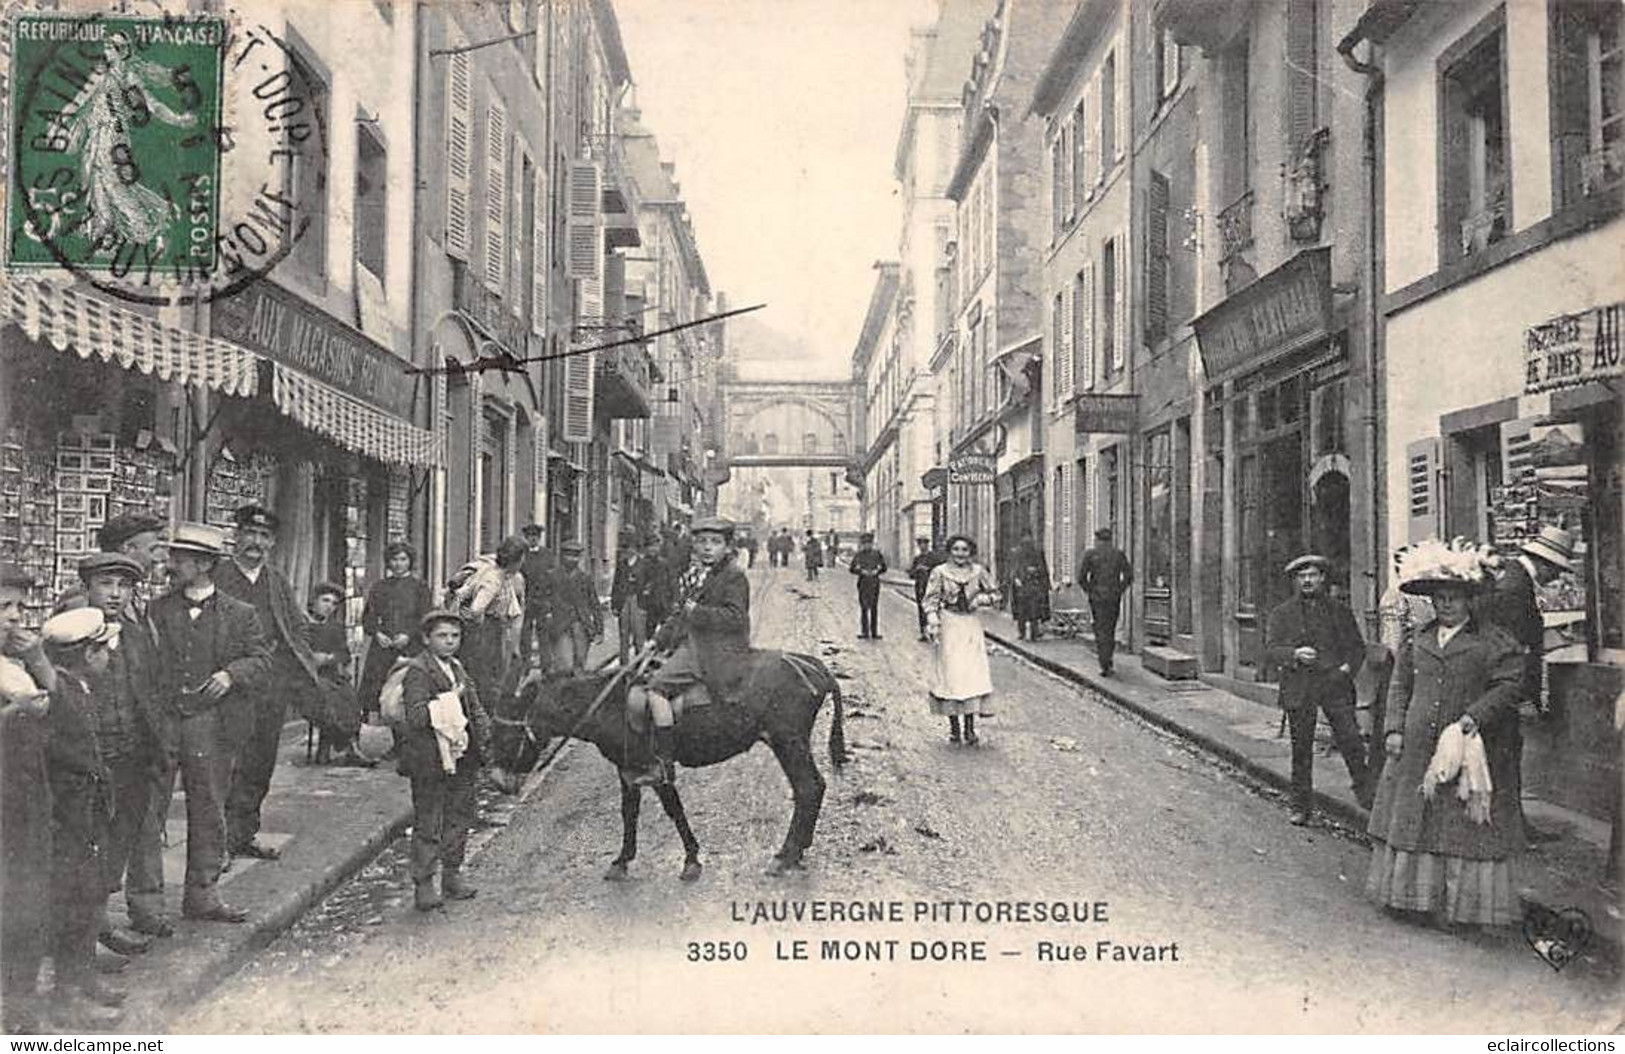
{"x": 962, "y": 686}
{"x": 1029, "y": 587}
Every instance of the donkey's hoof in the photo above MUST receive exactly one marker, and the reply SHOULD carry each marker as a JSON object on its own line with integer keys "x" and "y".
{"x": 691, "y": 871}
{"x": 616, "y": 872}
{"x": 780, "y": 866}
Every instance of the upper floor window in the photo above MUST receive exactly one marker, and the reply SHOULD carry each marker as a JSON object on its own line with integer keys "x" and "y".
{"x": 1587, "y": 85}
{"x": 1474, "y": 160}
{"x": 1167, "y": 65}
{"x": 1080, "y": 145}
{"x": 1108, "y": 112}
{"x": 371, "y": 201}
{"x": 1058, "y": 187}
{"x": 306, "y": 173}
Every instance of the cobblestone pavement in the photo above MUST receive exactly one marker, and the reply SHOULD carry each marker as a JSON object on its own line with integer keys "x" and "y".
{"x": 1235, "y": 920}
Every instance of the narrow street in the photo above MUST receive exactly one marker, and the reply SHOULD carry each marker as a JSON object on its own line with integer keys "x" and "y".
{"x": 1066, "y": 799}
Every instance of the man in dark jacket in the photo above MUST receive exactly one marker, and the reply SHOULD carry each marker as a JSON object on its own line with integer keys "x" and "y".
{"x": 812, "y": 555}
{"x": 1316, "y": 644}
{"x": 626, "y": 593}
{"x": 213, "y": 660}
{"x": 583, "y": 613}
{"x": 707, "y": 638}
{"x": 542, "y": 639}
{"x": 1514, "y": 606}
{"x": 292, "y": 680}
{"x": 925, "y": 559}
{"x": 868, "y": 564}
{"x": 1105, "y": 575}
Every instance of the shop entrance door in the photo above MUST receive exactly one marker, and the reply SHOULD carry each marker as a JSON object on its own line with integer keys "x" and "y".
{"x": 1282, "y": 515}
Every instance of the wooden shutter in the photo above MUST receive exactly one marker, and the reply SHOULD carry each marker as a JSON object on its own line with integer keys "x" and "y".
{"x": 1086, "y": 323}
{"x": 496, "y": 197}
{"x": 1091, "y": 151}
{"x": 1423, "y": 477}
{"x": 585, "y": 250}
{"x": 1069, "y": 519}
{"x": 1119, "y": 305}
{"x": 538, "y": 435}
{"x": 1080, "y": 165}
{"x": 579, "y": 369}
{"x": 1066, "y": 363}
{"x": 1170, "y": 64}
{"x": 1086, "y": 521}
{"x": 1301, "y": 26}
{"x": 1156, "y": 257}
{"x": 539, "y": 270}
{"x": 459, "y": 153}
{"x": 1121, "y": 91}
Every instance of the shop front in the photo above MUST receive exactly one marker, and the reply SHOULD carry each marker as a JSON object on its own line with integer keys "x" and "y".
{"x": 971, "y": 476}
{"x": 1282, "y": 451}
{"x": 935, "y": 483}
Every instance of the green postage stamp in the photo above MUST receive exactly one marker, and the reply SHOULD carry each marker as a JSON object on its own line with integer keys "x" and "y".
{"x": 115, "y": 144}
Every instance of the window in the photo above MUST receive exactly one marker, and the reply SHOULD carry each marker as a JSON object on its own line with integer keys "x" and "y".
{"x": 1080, "y": 146}
{"x": 371, "y": 201}
{"x": 1108, "y": 301}
{"x": 1167, "y": 65}
{"x": 770, "y": 444}
{"x": 1059, "y": 364}
{"x": 1302, "y": 22}
{"x": 1156, "y": 256}
{"x": 493, "y": 468}
{"x": 810, "y": 443}
{"x": 306, "y": 174}
{"x": 1057, "y": 195}
{"x": 1083, "y": 342}
{"x": 1108, "y": 113}
{"x": 1474, "y": 147}
{"x": 834, "y": 482}
{"x": 1588, "y": 80}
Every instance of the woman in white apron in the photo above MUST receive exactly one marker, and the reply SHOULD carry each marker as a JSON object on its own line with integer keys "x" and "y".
{"x": 962, "y": 686}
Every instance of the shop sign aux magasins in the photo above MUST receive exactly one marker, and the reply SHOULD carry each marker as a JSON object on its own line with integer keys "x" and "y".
{"x": 1574, "y": 349}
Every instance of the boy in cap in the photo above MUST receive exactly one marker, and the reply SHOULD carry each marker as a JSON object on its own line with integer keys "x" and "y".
{"x": 212, "y": 659}
{"x": 339, "y": 710}
{"x": 26, "y": 678}
{"x": 1315, "y": 642}
{"x": 127, "y": 724}
{"x": 447, "y": 738}
{"x": 868, "y": 565}
{"x": 77, "y": 644}
{"x": 293, "y": 675}
{"x": 140, "y": 536}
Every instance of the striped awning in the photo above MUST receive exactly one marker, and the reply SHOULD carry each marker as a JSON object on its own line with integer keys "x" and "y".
{"x": 351, "y": 423}
{"x": 90, "y": 326}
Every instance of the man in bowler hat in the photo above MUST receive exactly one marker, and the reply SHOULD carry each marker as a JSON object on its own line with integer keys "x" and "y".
{"x": 1105, "y": 575}
{"x": 1316, "y": 644}
{"x": 212, "y": 659}
{"x": 250, "y": 578}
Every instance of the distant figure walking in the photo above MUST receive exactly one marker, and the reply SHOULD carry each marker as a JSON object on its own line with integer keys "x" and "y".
{"x": 925, "y": 559}
{"x": 1105, "y": 575}
{"x": 1029, "y": 587}
{"x": 812, "y": 555}
{"x": 868, "y": 564}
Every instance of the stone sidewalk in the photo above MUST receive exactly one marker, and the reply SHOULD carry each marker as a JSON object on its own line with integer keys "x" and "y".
{"x": 328, "y": 822}
{"x": 1561, "y": 874}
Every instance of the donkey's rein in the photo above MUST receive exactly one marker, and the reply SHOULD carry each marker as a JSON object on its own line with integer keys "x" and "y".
{"x": 544, "y": 760}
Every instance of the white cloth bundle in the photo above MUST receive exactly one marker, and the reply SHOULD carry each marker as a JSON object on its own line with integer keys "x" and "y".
{"x": 450, "y": 728}
{"x": 1460, "y": 757}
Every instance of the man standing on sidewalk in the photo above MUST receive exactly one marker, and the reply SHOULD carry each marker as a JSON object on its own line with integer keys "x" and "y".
{"x": 925, "y": 560}
{"x": 1105, "y": 575}
{"x": 1315, "y": 642}
{"x": 868, "y": 565}
{"x": 626, "y": 592}
{"x": 250, "y": 579}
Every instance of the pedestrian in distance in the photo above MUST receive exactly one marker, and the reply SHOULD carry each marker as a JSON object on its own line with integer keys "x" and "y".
{"x": 656, "y": 596}
{"x": 868, "y": 565}
{"x": 751, "y": 545}
{"x": 76, "y": 642}
{"x": 962, "y": 683}
{"x": 1105, "y": 575}
{"x": 338, "y": 717}
{"x": 1445, "y": 824}
{"x": 447, "y": 740}
{"x": 626, "y": 595}
{"x": 127, "y": 729}
{"x": 394, "y": 607}
{"x": 925, "y": 560}
{"x": 1029, "y": 588}
{"x": 26, "y": 680}
{"x": 213, "y": 662}
{"x": 292, "y": 680}
{"x": 1314, "y": 641}
{"x": 538, "y": 641}
{"x": 812, "y": 555}
{"x": 584, "y": 612}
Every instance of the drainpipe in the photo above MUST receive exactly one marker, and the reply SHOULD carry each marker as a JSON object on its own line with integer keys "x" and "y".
{"x": 434, "y": 554}
{"x": 1374, "y": 346}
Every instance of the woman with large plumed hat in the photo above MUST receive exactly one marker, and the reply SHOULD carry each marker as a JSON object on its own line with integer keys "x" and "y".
{"x": 1445, "y": 825}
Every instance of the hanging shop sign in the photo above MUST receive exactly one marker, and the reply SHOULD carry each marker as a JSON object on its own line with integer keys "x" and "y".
{"x": 1098, "y": 414}
{"x": 972, "y": 469}
{"x": 1573, "y": 349}
{"x": 268, "y": 320}
{"x": 1287, "y": 309}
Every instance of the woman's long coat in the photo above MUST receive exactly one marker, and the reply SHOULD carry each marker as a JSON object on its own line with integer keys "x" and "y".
{"x": 1477, "y": 673}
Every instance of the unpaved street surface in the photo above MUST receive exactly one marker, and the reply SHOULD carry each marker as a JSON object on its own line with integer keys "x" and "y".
{"x": 1067, "y": 799}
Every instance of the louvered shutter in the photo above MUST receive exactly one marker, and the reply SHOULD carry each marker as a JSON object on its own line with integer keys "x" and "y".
{"x": 1066, "y": 357}
{"x": 1086, "y": 521}
{"x": 579, "y": 370}
{"x": 496, "y": 198}
{"x": 1091, "y": 149}
{"x": 1069, "y": 515}
{"x": 1119, "y": 305}
{"x": 539, "y": 452}
{"x": 1301, "y": 26}
{"x": 1422, "y": 483}
{"x": 539, "y": 269}
{"x": 1086, "y": 325}
{"x": 1170, "y": 64}
{"x": 1121, "y": 90}
{"x": 459, "y": 153}
{"x": 586, "y": 192}
{"x": 1156, "y": 257}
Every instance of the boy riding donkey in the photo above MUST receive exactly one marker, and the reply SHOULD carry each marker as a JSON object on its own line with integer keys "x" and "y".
{"x": 706, "y": 640}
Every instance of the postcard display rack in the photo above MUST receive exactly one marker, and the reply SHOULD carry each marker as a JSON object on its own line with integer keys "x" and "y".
{"x": 233, "y": 483}
{"x": 54, "y": 498}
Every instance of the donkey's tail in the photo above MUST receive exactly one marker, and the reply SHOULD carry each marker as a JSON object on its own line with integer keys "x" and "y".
{"x": 837, "y": 726}
{"x": 821, "y": 682}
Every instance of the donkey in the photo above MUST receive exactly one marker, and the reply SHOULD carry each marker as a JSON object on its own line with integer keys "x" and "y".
{"x": 777, "y": 703}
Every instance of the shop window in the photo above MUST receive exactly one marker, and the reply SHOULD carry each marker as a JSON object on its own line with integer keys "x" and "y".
{"x": 371, "y": 201}
{"x": 306, "y": 173}
{"x": 1329, "y": 412}
{"x": 1247, "y": 525}
{"x": 494, "y": 480}
{"x": 1587, "y": 84}
{"x": 1474, "y": 146}
{"x": 1159, "y": 478}
{"x": 1182, "y": 526}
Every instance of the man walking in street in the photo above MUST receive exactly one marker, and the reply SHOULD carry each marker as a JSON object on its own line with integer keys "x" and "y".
{"x": 812, "y": 555}
{"x": 868, "y": 564}
{"x": 925, "y": 559}
{"x": 582, "y": 611}
{"x": 626, "y": 593}
{"x": 544, "y": 638}
{"x": 248, "y": 577}
{"x": 1514, "y": 605}
{"x": 213, "y": 660}
{"x": 1105, "y": 576}
{"x": 1314, "y": 641}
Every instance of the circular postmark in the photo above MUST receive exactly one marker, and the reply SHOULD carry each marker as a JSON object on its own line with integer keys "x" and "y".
{"x": 163, "y": 160}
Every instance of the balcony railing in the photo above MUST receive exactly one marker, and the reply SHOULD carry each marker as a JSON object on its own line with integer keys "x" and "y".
{"x": 624, "y": 383}
{"x": 1236, "y": 227}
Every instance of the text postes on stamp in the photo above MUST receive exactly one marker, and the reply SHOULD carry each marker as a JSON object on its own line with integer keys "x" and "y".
{"x": 164, "y": 160}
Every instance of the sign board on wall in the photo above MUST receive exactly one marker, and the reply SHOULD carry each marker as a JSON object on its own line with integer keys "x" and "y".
{"x": 972, "y": 469}
{"x": 1574, "y": 349}
{"x": 1287, "y": 309}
